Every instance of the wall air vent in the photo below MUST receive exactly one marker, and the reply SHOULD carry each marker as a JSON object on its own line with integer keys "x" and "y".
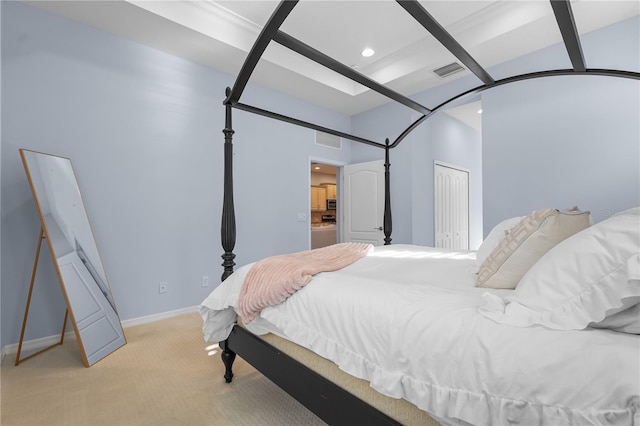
{"x": 447, "y": 70}
{"x": 326, "y": 139}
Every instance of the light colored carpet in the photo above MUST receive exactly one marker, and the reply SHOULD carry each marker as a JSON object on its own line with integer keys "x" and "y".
{"x": 162, "y": 376}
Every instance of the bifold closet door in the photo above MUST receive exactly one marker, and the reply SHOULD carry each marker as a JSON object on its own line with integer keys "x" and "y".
{"x": 451, "y": 207}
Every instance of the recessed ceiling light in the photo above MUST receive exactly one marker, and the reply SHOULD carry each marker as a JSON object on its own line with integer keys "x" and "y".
{"x": 367, "y": 52}
{"x": 480, "y": 111}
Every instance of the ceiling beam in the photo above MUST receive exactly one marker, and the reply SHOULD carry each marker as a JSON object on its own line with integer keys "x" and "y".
{"x": 423, "y": 17}
{"x": 260, "y": 45}
{"x": 322, "y": 59}
{"x": 569, "y": 31}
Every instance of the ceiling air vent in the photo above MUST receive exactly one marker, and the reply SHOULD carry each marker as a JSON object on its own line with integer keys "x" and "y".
{"x": 326, "y": 139}
{"x": 447, "y": 70}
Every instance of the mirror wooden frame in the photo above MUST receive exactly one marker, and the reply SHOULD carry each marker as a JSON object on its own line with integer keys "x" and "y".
{"x": 77, "y": 263}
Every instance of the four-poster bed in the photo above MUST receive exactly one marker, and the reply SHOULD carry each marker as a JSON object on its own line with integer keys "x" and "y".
{"x": 329, "y": 400}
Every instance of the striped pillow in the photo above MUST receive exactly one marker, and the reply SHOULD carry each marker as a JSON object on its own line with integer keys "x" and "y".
{"x": 526, "y": 243}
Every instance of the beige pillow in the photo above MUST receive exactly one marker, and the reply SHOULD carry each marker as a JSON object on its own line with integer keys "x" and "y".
{"x": 496, "y": 235}
{"x": 526, "y": 243}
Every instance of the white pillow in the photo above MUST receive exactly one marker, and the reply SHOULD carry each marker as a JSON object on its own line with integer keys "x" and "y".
{"x": 625, "y": 321}
{"x": 494, "y": 238}
{"x": 633, "y": 211}
{"x": 578, "y": 282}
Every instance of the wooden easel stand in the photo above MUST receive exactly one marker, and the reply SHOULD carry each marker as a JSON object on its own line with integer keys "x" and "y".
{"x": 26, "y": 309}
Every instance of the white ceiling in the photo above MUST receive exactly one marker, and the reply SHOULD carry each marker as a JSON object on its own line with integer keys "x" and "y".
{"x": 220, "y": 33}
{"x": 326, "y": 169}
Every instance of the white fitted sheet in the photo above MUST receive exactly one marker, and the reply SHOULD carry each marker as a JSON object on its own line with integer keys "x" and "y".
{"x": 406, "y": 319}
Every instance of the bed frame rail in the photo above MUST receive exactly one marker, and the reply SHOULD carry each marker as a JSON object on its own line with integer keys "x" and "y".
{"x": 328, "y": 401}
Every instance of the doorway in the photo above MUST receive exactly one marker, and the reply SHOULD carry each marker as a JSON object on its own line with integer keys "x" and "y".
{"x": 324, "y": 204}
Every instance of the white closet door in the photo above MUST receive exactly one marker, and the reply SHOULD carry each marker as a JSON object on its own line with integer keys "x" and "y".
{"x": 451, "y": 204}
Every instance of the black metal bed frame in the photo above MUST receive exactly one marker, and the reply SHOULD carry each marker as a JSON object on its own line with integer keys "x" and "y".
{"x": 327, "y": 400}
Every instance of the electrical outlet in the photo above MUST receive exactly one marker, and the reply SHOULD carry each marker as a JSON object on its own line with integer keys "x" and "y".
{"x": 205, "y": 281}
{"x": 162, "y": 288}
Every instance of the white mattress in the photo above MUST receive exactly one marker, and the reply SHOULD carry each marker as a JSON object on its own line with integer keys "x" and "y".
{"x": 406, "y": 319}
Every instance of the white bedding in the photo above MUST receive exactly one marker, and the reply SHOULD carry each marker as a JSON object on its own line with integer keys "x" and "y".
{"x": 406, "y": 319}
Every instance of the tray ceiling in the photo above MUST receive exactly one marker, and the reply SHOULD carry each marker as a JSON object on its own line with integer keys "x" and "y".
{"x": 219, "y": 34}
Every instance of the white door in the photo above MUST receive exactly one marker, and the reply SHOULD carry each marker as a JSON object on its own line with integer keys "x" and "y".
{"x": 363, "y": 202}
{"x": 451, "y": 204}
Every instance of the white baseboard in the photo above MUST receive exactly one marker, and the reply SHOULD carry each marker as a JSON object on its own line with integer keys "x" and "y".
{"x": 34, "y": 345}
{"x": 157, "y": 317}
{"x": 43, "y": 342}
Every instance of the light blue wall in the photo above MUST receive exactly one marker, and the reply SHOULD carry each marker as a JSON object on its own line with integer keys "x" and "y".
{"x": 565, "y": 141}
{"x": 144, "y": 132}
{"x": 1, "y": 7}
{"x": 1, "y": 211}
{"x": 561, "y": 142}
{"x": 441, "y": 138}
{"x": 387, "y": 122}
{"x": 459, "y": 145}
{"x": 548, "y": 142}
{"x": 143, "y": 129}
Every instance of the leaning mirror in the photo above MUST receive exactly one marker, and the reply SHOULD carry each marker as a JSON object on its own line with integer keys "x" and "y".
{"x": 66, "y": 229}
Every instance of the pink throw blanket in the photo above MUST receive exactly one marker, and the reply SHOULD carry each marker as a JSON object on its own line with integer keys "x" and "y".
{"x": 272, "y": 280}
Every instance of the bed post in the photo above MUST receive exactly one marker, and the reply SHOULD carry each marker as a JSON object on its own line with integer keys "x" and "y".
{"x": 228, "y": 356}
{"x": 387, "y": 196}
{"x": 228, "y": 228}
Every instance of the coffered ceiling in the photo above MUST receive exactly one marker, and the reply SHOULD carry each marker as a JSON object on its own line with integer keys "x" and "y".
{"x": 220, "y": 34}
